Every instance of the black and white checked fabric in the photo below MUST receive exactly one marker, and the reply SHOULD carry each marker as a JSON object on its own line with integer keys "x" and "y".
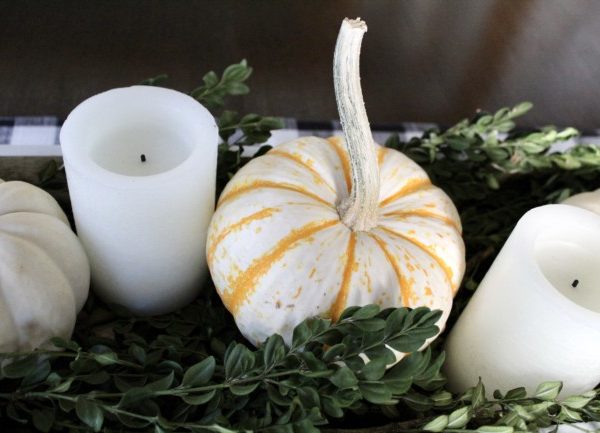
{"x": 29, "y": 136}
{"x": 39, "y": 136}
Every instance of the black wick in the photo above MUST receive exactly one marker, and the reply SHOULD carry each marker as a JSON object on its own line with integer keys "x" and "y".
{"x": 143, "y": 157}
{"x": 575, "y": 283}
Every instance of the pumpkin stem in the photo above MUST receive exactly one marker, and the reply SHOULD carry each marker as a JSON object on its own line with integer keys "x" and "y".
{"x": 359, "y": 210}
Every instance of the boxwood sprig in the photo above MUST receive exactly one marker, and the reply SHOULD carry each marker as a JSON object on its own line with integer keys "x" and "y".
{"x": 321, "y": 375}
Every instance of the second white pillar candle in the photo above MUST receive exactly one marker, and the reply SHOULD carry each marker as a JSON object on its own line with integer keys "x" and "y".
{"x": 536, "y": 315}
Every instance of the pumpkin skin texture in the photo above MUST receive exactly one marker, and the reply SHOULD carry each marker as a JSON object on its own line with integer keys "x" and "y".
{"x": 44, "y": 271}
{"x": 278, "y": 251}
{"x": 587, "y": 200}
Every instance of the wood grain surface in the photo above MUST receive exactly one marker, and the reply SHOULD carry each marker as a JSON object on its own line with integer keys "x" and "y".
{"x": 423, "y": 60}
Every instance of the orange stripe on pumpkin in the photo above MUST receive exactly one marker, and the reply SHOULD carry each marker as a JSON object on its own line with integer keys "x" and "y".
{"x": 381, "y": 152}
{"x": 411, "y": 186}
{"x": 236, "y": 192}
{"x": 245, "y": 284}
{"x": 447, "y": 270}
{"x": 217, "y": 239}
{"x": 425, "y": 214}
{"x": 405, "y": 289}
{"x": 340, "y": 301}
{"x": 299, "y": 161}
{"x": 336, "y": 144}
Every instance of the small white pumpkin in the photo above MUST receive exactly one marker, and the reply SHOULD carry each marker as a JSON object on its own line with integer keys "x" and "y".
{"x": 315, "y": 226}
{"x": 44, "y": 271}
{"x": 587, "y": 200}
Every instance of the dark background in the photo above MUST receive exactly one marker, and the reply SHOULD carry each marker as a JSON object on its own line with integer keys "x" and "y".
{"x": 423, "y": 60}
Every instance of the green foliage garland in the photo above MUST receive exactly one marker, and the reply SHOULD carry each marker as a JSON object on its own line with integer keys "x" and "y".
{"x": 191, "y": 371}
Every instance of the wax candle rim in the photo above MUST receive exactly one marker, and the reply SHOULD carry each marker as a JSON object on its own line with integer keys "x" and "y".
{"x": 80, "y": 160}
{"x": 576, "y": 311}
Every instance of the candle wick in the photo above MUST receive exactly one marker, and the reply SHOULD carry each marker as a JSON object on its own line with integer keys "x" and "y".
{"x": 143, "y": 157}
{"x": 575, "y": 283}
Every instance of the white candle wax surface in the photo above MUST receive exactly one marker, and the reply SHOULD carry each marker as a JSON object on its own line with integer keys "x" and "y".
{"x": 141, "y": 169}
{"x": 536, "y": 315}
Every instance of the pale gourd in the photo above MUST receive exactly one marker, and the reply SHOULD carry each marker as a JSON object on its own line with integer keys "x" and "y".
{"x": 44, "y": 271}
{"x": 317, "y": 225}
{"x": 587, "y": 200}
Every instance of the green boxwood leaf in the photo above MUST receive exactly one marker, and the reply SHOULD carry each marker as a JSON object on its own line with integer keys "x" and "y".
{"x": 138, "y": 353}
{"x": 200, "y": 373}
{"x": 236, "y": 72}
{"x": 441, "y": 398}
{"x": 376, "y": 392}
{"x": 135, "y": 395}
{"x": 516, "y": 394}
{"x": 577, "y": 401}
{"x": 398, "y": 386}
{"x": 38, "y": 375}
{"x": 61, "y": 343}
{"x": 301, "y": 335}
{"x": 381, "y": 352}
{"x": 331, "y": 407}
{"x": 271, "y": 123}
{"x": 12, "y": 413}
{"x": 66, "y": 405}
{"x": 407, "y": 368}
{"x": 106, "y": 358}
{"x": 437, "y": 425}
{"x": 348, "y": 312}
{"x": 274, "y": 350}
{"x": 459, "y": 418}
{"x": 495, "y": 429}
{"x": 344, "y": 378}
{"x": 162, "y": 384}
{"x": 312, "y": 362}
{"x": 20, "y": 367}
{"x": 89, "y": 413}
{"x": 43, "y": 419}
{"x": 395, "y": 321}
{"x": 241, "y": 390}
{"x": 370, "y": 325}
{"x": 133, "y": 422}
{"x": 238, "y": 361}
{"x": 478, "y": 397}
{"x": 210, "y": 79}
{"x": 308, "y": 396}
{"x": 316, "y": 374}
{"x": 95, "y": 378}
{"x": 198, "y": 399}
{"x": 374, "y": 370}
{"x": 413, "y": 339}
{"x": 366, "y": 312}
{"x": 237, "y": 89}
{"x": 548, "y": 390}
{"x": 334, "y": 351}
{"x": 569, "y": 415}
{"x": 63, "y": 386}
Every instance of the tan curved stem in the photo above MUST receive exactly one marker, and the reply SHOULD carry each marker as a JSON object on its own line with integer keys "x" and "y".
{"x": 359, "y": 210}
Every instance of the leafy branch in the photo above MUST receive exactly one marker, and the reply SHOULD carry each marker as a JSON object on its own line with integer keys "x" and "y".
{"x": 478, "y": 145}
{"x": 215, "y": 89}
{"x": 515, "y": 411}
{"x": 274, "y": 388}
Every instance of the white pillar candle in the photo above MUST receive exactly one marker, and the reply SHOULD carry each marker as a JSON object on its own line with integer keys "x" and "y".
{"x": 141, "y": 170}
{"x": 536, "y": 315}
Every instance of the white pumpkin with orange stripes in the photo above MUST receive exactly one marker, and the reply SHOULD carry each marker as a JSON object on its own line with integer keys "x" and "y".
{"x": 317, "y": 225}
